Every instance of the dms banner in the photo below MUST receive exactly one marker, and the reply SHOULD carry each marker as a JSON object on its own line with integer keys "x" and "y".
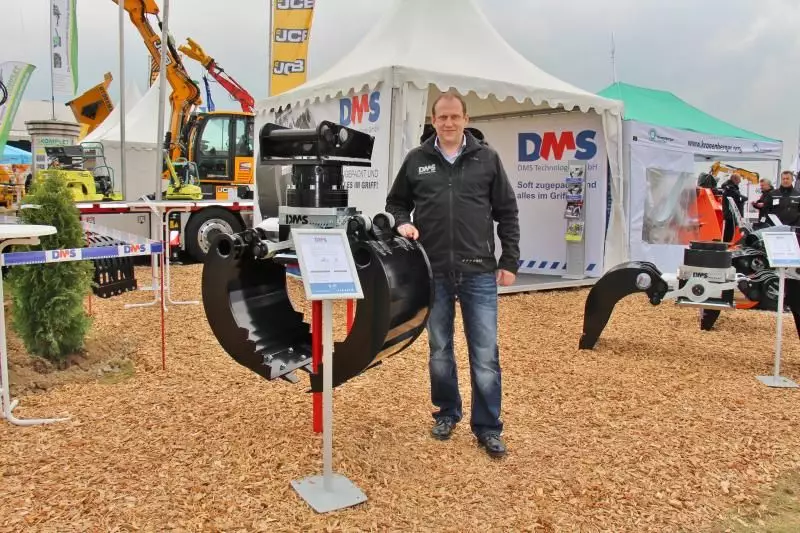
{"x": 14, "y": 76}
{"x": 64, "y": 47}
{"x": 368, "y": 112}
{"x": 536, "y": 152}
{"x": 291, "y": 29}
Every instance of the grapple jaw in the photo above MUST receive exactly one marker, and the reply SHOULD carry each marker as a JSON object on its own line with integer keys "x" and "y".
{"x": 251, "y": 315}
{"x": 620, "y": 281}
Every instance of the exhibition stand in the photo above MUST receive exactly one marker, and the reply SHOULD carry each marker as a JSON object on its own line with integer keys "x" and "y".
{"x": 663, "y": 138}
{"x": 537, "y": 124}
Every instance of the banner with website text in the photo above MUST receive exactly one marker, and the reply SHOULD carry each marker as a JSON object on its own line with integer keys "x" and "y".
{"x": 699, "y": 143}
{"x": 64, "y": 47}
{"x": 291, "y": 30}
{"x": 536, "y": 152}
{"x": 15, "y": 76}
{"x": 369, "y": 112}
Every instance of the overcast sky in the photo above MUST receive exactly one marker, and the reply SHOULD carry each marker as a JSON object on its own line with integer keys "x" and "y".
{"x": 735, "y": 59}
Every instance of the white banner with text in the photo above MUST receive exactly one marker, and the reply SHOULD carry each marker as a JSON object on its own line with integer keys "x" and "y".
{"x": 536, "y": 152}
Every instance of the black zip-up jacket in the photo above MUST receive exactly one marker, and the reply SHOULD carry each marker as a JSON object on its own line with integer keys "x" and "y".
{"x": 455, "y": 207}
{"x": 766, "y": 203}
{"x": 786, "y": 205}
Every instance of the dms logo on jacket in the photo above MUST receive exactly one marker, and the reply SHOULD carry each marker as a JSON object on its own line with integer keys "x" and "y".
{"x": 427, "y": 169}
{"x": 553, "y": 146}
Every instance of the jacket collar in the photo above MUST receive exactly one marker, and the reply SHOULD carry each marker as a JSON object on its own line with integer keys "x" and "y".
{"x": 472, "y": 144}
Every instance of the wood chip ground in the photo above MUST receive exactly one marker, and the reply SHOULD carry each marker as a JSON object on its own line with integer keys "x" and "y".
{"x": 662, "y": 427}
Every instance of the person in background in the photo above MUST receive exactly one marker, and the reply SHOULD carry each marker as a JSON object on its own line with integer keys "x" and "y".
{"x": 456, "y": 187}
{"x": 786, "y": 201}
{"x": 764, "y": 203}
{"x": 730, "y": 189}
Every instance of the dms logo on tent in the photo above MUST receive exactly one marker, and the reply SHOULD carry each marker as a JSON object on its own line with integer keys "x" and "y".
{"x": 551, "y": 146}
{"x": 352, "y": 111}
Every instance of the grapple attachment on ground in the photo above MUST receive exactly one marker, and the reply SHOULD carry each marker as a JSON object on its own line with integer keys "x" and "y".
{"x": 706, "y": 280}
{"x": 244, "y": 276}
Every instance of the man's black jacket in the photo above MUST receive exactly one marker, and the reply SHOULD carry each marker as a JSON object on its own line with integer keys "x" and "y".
{"x": 731, "y": 190}
{"x": 455, "y": 207}
{"x": 786, "y": 205}
{"x": 766, "y": 203}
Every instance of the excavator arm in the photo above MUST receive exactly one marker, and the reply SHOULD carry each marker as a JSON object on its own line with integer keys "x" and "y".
{"x": 193, "y": 50}
{"x": 185, "y": 92}
{"x": 722, "y": 168}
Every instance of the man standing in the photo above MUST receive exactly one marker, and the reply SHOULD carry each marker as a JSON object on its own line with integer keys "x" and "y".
{"x": 764, "y": 203}
{"x": 786, "y": 201}
{"x": 730, "y": 189}
{"x": 457, "y": 188}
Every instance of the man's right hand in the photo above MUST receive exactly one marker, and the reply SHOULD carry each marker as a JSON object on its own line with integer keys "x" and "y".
{"x": 408, "y": 231}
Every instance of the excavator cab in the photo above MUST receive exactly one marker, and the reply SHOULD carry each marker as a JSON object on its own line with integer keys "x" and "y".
{"x": 221, "y": 144}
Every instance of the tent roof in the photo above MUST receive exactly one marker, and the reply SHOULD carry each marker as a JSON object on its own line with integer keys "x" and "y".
{"x": 12, "y": 154}
{"x": 412, "y": 44}
{"x": 141, "y": 122}
{"x": 663, "y": 108}
{"x": 36, "y": 110}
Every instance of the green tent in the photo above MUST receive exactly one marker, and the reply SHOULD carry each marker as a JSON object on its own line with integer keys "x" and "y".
{"x": 662, "y": 108}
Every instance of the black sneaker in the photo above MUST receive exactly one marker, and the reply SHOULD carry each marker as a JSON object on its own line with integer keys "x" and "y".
{"x": 443, "y": 428}
{"x": 493, "y": 444}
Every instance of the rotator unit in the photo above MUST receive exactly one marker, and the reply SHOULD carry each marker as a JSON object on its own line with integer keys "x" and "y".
{"x": 244, "y": 276}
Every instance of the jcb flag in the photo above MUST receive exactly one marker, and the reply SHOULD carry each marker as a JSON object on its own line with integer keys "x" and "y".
{"x": 291, "y": 29}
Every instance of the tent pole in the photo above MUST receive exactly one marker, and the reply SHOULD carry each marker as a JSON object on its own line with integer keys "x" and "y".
{"x": 121, "y": 21}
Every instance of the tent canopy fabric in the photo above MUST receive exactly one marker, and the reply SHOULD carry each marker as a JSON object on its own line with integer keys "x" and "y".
{"x": 13, "y": 155}
{"x": 409, "y": 45}
{"x": 665, "y": 109}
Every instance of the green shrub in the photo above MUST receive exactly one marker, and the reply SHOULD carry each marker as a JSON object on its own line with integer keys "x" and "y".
{"x": 48, "y": 312}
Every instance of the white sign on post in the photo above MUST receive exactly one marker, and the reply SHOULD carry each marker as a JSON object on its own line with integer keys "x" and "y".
{"x": 783, "y": 252}
{"x": 326, "y": 264}
{"x": 782, "y": 249}
{"x": 329, "y": 273}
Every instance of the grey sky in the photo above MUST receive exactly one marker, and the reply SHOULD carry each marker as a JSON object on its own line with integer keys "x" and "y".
{"x": 736, "y": 59}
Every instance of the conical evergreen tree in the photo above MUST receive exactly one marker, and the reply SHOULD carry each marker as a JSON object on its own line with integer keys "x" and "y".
{"x": 48, "y": 312}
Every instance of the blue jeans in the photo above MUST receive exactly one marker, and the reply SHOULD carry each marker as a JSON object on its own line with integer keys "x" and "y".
{"x": 477, "y": 294}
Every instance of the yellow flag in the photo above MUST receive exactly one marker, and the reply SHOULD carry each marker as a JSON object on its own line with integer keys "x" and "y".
{"x": 291, "y": 30}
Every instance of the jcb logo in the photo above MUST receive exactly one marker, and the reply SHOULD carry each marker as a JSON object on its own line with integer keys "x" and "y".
{"x": 295, "y": 4}
{"x": 284, "y": 68}
{"x": 285, "y": 35}
{"x": 296, "y": 219}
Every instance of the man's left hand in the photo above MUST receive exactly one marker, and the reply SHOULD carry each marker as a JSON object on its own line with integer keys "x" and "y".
{"x": 505, "y": 278}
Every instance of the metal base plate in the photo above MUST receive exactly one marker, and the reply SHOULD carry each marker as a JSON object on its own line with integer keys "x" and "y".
{"x": 343, "y": 493}
{"x": 778, "y": 381}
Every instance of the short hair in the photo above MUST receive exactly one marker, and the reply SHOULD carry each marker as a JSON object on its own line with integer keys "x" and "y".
{"x": 788, "y": 172}
{"x": 766, "y": 180}
{"x": 448, "y": 94}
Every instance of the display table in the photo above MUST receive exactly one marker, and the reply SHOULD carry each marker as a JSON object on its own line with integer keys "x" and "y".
{"x": 19, "y": 234}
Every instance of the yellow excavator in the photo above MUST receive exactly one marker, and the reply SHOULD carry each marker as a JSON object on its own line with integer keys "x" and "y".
{"x": 219, "y": 143}
{"x": 719, "y": 168}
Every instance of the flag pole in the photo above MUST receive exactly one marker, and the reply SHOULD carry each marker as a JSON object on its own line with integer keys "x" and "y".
{"x": 269, "y": 48}
{"x": 122, "y": 96}
{"x": 52, "y": 66}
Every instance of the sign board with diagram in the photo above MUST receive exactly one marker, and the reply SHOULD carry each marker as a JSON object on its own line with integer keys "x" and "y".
{"x": 575, "y": 183}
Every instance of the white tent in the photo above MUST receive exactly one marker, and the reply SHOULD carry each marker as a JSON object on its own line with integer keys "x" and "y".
{"x": 141, "y": 156}
{"x": 421, "y": 48}
{"x": 132, "y": 97}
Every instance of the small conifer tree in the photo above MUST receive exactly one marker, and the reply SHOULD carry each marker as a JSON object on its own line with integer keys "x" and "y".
{"x": 48, "y": 312}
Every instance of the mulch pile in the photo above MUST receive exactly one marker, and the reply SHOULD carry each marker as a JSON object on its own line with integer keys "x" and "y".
{"x": 662, "y": 427}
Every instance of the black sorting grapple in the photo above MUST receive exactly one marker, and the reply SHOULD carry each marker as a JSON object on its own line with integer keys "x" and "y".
{"x": 249, "y": 310}
{"x": 112, "y": 275}
{"x": 244, "y": 275}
